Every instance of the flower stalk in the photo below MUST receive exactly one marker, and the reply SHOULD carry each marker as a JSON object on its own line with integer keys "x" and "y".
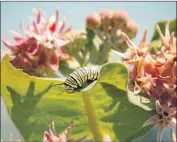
{"x": 93, "y": 125}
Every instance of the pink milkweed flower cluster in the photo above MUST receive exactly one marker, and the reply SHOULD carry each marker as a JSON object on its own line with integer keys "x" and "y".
{"x": 52, "y": 135}
{"x": 166, "y": 116}
{"x": 42, "y": 44}
{"x": 155, "y": 74}
{"x": 109, "y": 24}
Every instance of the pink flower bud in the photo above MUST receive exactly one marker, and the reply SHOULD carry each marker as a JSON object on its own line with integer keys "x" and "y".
{"x": 106, "y": 14}
{"x": 106, "y": 20}
{"x": 93, "y": 21}
{"x": 120, "y": 18}
{"x": 131, "y": 28}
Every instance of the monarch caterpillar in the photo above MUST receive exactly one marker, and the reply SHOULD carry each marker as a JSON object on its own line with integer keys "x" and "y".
{"x": 80, "y": 77}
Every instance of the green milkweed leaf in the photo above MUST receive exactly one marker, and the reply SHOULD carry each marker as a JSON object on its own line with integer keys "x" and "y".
{"x": 32, "y": 104}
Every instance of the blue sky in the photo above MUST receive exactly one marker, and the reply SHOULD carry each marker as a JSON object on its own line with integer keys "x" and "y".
{"x": 146, "y": 14}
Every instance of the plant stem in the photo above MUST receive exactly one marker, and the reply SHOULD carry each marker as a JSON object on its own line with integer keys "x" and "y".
{"x": 93, "y": 125}
{"x": 104, "y": 53}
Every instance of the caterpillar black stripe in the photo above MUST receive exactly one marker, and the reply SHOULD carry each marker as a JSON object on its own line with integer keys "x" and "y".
{"x": 80, "y": 77}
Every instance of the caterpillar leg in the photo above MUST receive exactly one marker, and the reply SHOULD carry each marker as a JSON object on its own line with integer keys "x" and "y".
{"x": 69, "y": 89}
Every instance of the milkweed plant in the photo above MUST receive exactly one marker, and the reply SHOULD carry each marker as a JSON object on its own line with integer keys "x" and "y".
{"x": 128, "y": 96}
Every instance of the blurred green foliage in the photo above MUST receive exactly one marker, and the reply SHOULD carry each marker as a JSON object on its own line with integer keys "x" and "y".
{"x": 155, "y": 40}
